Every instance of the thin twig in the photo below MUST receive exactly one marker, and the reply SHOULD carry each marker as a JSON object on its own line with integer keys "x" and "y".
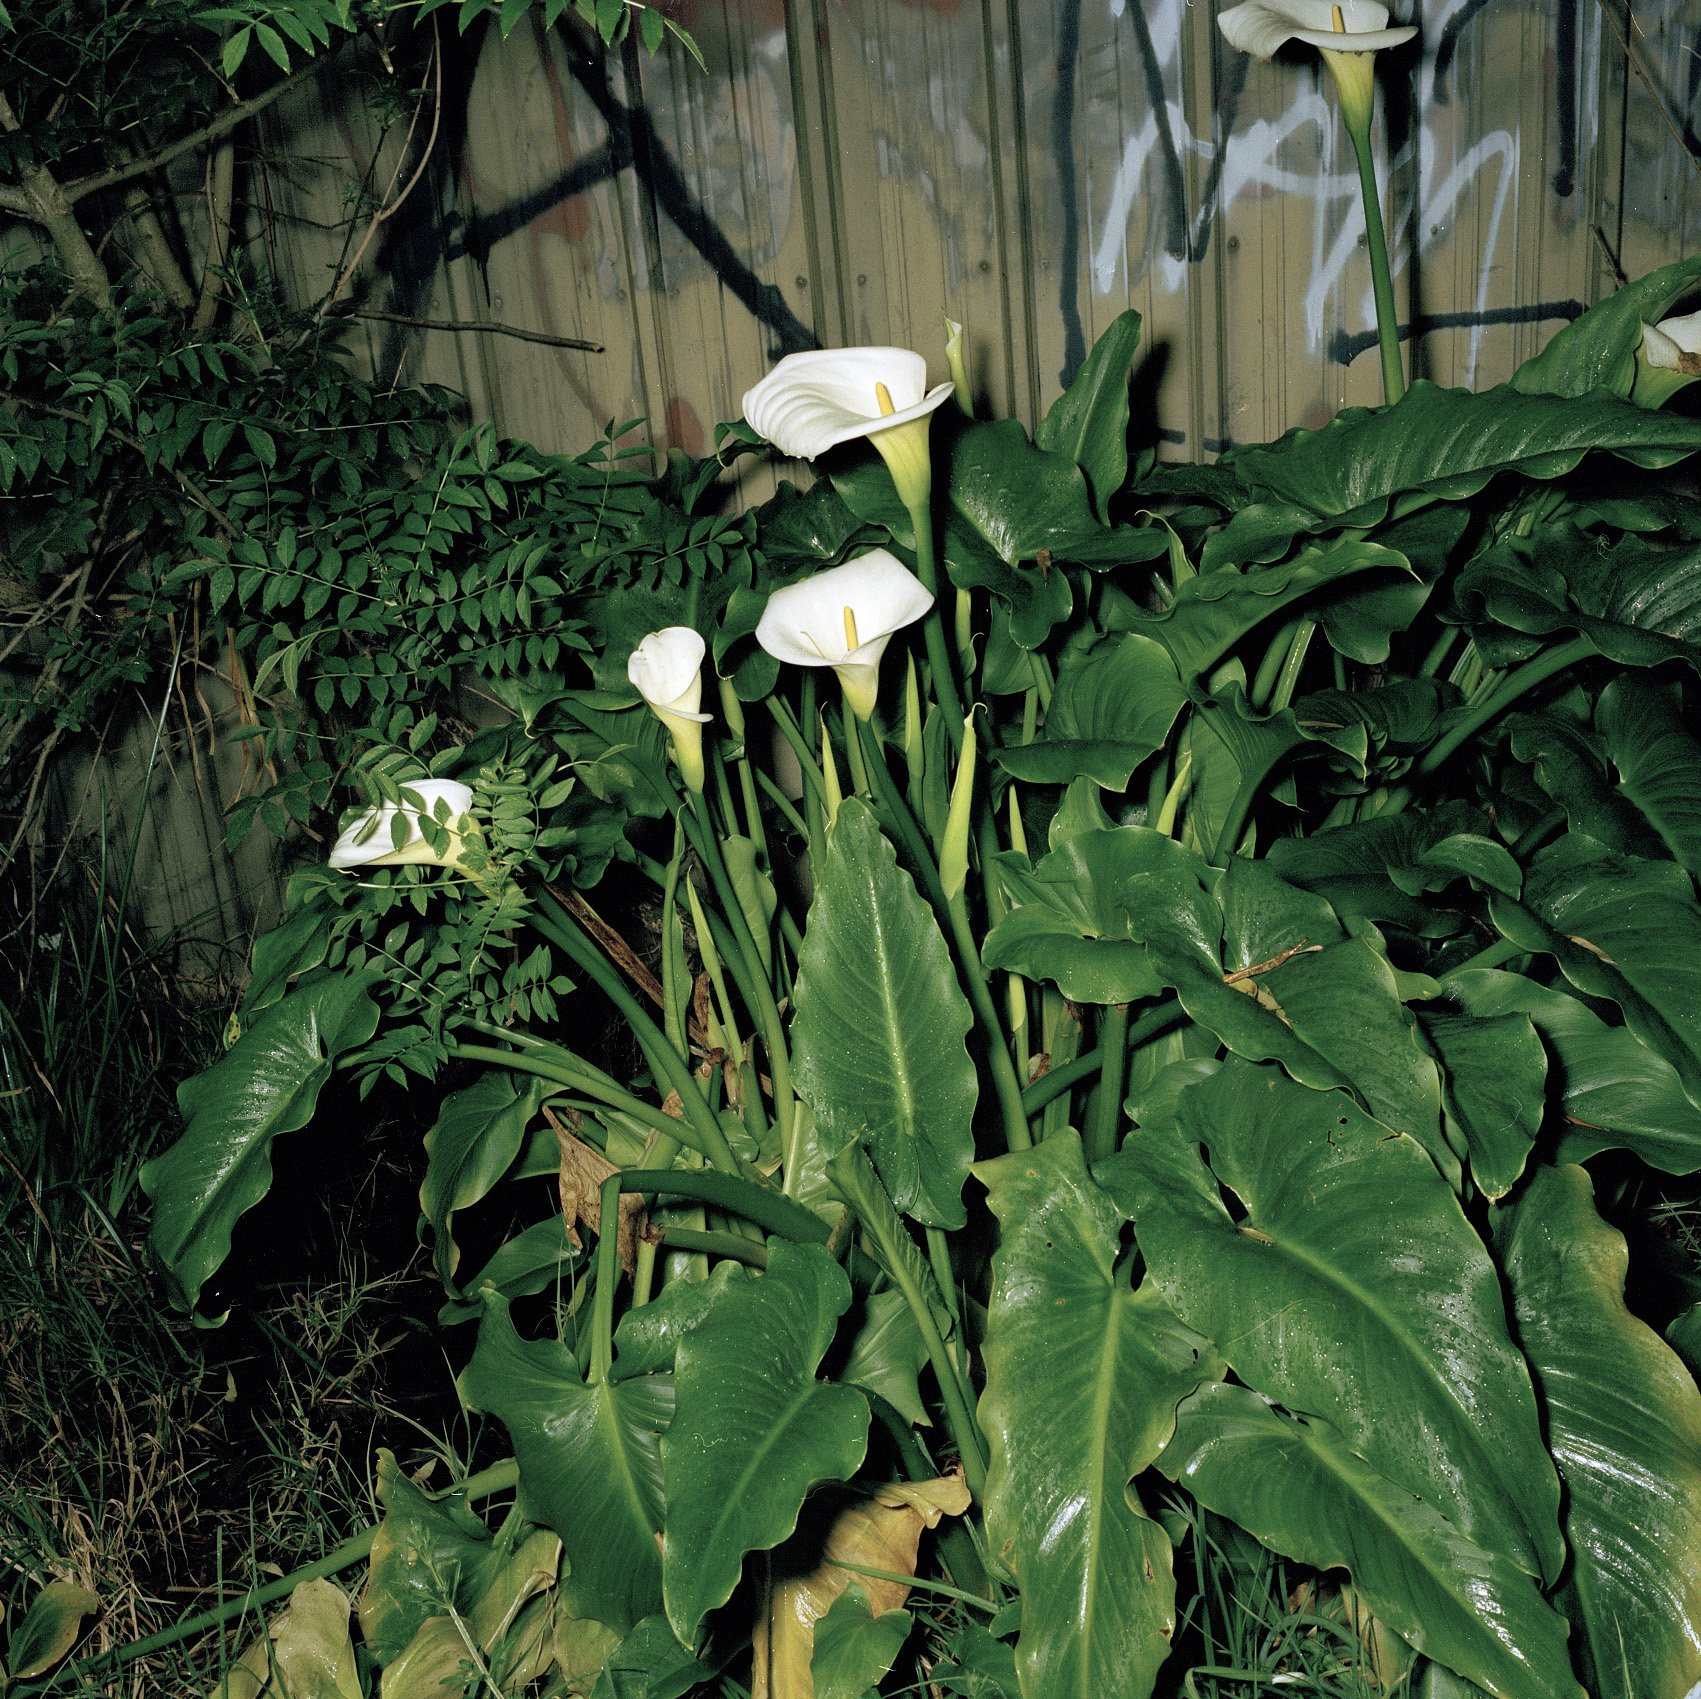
{"x": 390, "y": 208}
{"x": 1638, "y": 62}
{"x": 469, "y": 324}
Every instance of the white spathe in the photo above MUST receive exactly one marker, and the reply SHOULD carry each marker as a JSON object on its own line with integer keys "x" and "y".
{"x": 810, "y": 402}
{"x": 369, "y": 839}
{"x": 666, "y": 669}
{"x": 1667, "y": 342}
{"x": 843, "y": 618}
{"x": 1261, "y": 26}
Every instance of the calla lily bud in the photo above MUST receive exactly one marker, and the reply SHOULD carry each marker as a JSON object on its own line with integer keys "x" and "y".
{"x": 810, "y": 402}
{"x": 834, "y": 791}
{"x": 666, "y": 669}
{"x": 843, "y": 618}
{"x": 954, "y": 849}
{"x": 959, "y": 372}
{"x": 1668, "y": 359}
{"x": 370, "y": 839}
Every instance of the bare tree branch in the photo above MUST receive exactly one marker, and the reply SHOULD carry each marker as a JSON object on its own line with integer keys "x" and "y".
{"x": 216, "y": 130}
{"x": 48, "y": 205}
{"x": 468, "y": 324}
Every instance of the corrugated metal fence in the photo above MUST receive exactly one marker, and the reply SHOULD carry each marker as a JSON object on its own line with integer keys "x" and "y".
{"x": 852, "y": 171}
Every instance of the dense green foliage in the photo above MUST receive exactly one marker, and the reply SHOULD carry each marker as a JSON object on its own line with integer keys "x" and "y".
{"x": 1307, "y": 902}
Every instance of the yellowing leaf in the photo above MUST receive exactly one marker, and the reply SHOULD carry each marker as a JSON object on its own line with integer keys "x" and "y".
{"x": 882, "y": 1531}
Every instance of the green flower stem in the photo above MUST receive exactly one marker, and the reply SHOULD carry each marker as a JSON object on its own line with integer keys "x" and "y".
{"x": 1303, "y": 632}
{"x": 1382, "y": 279}
{"x": 770, "y": 1210}
{"x": 1264, "y": 680}
{"x": 660, "y": 1154}
{"x": 499, "y": 1477}
{"x": 939, "y": 655}
{"x": 1525, "y": 678}
{"x": 1493, "y": 956}
{"x": 853, "y": 753}
{"x": 939, "y": 1258}
{"x": 859, "y": 1185}
{"x": 1059, "y": 1079}
{"x": 608, "y": 1278}
{"x": 713, "y": 1244}
{"x": 723, "y": 789}
{"x": 1107, "y": 1116}
{"x": 1437, "y": 656}
{"x": 566, "y": 1069}
{"x": 813, "y": 783}
{"x": 1004, "y": 1081}
{"x": 554, "y": 922}
{"x": 753, "y": 982}
{"x": 781, "y": 801}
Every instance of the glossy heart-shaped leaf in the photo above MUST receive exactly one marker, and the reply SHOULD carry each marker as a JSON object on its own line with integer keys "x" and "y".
{"x": 590, "y": 1463}
{"x": 755, "y": 1429}
{"x": 1449, "y": 443}
{"x": 1354, "y": 1289}
{"x": 1303, "y": 1490}
{"x": 1089, "y": 421}
{"x": 477, "y": 1134}
{"x": 1617, "y": 1093}
{"x": 1624, "y": 1421}
{"x": 854, "y": 1648}
{"x": 878, "y": 1042}
{"x": 1658, "y": 760}
{"x": 1076, "y": 1355}
{"x": 1598, "y": 349}
{"x": 266, "y": 1084}
{"x": 1619, "y": 928}
{"x": 1111, "y": 708}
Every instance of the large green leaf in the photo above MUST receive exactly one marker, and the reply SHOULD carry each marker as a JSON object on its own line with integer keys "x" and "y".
{"x": 755, "y": 1429}
{"x": 1083, "y": 1375}
{"x": 267, "y": 1083}
{"x": 1637, "y": 602}
{"x": 1089, "y": 420}
{"x": 1624, "y": 1421}
{"x": 1495, "y": 1080}
{"x": 1569, "y": 762}
{"x": 1214, "y": 610}
{"x": 1598, "y": 349}
{"x": 1354, "y": 1289}
{"x": 1111, "y": 709}
{"x": 888, "y": 1353}
{"x": 1619, "y": 928}
{"x": 1378, "y": 869}
{"x": 427, "y": 1554}
{"x": 650, "y": 1663}
{"x": 1342, "y": 999}
{"x": 1300, "y": 1487}
{"x": 878, "y": 1049}
{"x": 477, "y": 1134}
{"x": 590, "y": 1463}
{"x": 1614, "y": 1091}
{"x": 536, "y": 1258}
{"x": 1449, "y": 443}
{"x": 854, "y": 1648}
{"x": 1079, "y": 917}
{"x": 1658, "y": 760}
{"x": 50, "y": 1628}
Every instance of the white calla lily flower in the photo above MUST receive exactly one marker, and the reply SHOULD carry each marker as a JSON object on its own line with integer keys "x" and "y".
{"x": 1674, "y": 344}
{"x": 369, "y": 839}
{"x": 1349, "y": 34}
{"x": 1668, "y": 358}
{"x": 1261, "y": 26}
{"x": 810, "y": 402}
{"x": 843, "y": 618}
{"x": 666, "y": 669}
